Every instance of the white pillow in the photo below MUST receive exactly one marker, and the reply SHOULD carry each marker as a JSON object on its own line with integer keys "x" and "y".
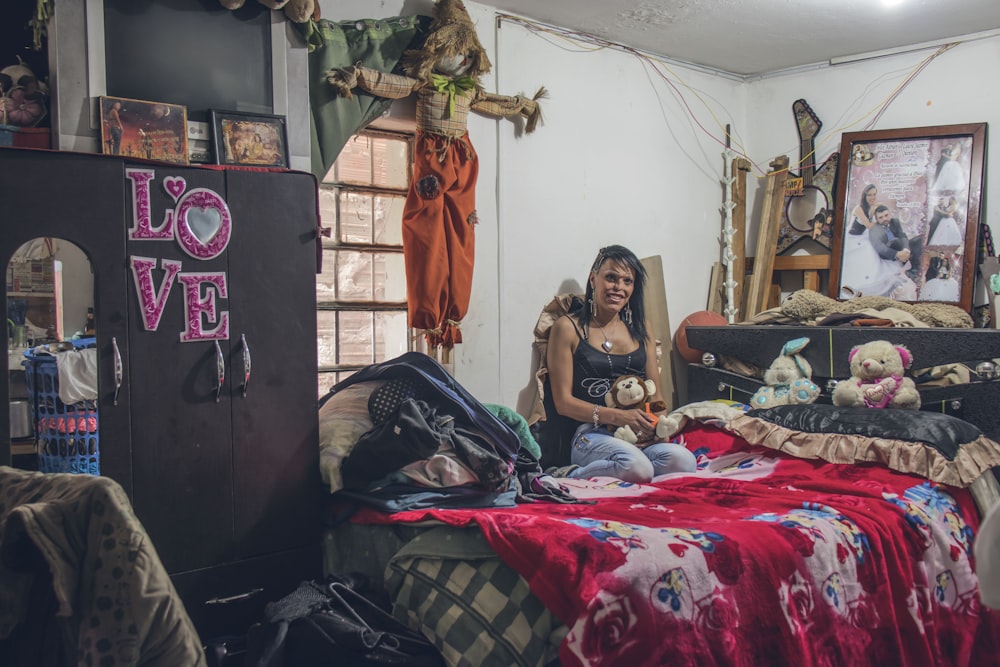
{"x": 343, "y": 419}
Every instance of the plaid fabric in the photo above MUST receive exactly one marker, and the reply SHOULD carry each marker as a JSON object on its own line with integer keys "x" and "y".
{"x": 477, "y": 611}
{"x": 433, "y": 112}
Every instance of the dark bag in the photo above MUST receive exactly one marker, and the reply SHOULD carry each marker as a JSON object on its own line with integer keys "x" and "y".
{"x": 332, "y": 624}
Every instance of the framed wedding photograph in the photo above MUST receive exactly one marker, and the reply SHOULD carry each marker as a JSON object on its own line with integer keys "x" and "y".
{"x": 907, "y": 210}
{"x": 143, "y": 129}
{"x": 258, "y": 140}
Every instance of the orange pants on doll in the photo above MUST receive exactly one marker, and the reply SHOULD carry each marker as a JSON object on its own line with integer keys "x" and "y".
{"x": 439, "y": 235}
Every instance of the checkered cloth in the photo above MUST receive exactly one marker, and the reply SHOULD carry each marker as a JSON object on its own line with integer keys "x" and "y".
{"x": 434, "y": 112}
{"x": 449, "y": 584}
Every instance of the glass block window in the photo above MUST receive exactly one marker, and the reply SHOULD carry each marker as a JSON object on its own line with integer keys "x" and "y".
{"x": 361, "y": 292}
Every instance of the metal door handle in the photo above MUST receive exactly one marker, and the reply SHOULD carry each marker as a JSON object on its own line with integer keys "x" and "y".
{"x": 246, "y": 363}
{"x": 235, "y": 598}
{"x": 220, "y": 368}
{"x": 119, "y": 373}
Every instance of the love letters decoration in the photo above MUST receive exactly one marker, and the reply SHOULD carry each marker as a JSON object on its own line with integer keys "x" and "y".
{"x": 201, "y": 224}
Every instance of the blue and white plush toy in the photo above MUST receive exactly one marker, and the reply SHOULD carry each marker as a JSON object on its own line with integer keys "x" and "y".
{"x": 789, "y": 379}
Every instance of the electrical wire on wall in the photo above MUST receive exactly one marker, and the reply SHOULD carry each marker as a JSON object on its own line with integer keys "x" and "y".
{"x": 660, "y": 66}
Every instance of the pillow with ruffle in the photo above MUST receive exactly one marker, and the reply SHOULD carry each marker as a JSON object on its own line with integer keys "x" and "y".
{"x": 935, "y": 446}
{"x": 343, "y": 419}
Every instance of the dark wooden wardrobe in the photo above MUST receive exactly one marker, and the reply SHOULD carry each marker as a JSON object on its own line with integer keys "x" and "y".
{"x": 224, "y": 476}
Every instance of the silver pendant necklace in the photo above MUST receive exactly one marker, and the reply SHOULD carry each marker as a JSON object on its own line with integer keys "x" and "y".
{"x": 607, "y": 344}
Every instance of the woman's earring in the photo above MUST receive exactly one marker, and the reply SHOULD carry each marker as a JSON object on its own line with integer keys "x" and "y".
{"x": 593, "y": 308}
{"x": 627, "y": 315}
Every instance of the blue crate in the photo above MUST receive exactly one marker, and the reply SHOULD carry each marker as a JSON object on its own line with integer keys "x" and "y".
{"x": 66, "y": 435}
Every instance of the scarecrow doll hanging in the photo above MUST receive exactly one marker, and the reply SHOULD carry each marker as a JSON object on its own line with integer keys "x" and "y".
{"x": 440, "y": 209}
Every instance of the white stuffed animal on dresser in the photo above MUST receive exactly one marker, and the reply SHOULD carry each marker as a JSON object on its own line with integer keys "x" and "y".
{"x": 788, "y": 381}
{"x": 877, "y": 378}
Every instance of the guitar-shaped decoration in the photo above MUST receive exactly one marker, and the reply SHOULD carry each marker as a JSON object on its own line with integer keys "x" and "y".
{"x": 808, "y": 212}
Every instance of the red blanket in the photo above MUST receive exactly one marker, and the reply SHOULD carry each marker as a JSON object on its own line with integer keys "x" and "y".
{"x": 756, "y": 559}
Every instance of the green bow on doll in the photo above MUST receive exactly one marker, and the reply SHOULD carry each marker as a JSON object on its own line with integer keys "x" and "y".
{"x": 444, "y": 84}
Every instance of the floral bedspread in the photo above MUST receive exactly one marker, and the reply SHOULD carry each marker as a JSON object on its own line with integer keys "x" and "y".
{"x": 757, "y": 559}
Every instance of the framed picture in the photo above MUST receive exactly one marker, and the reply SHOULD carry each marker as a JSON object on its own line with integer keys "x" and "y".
{"x": 258, "y": 140}
{"x": 141, "y": 129}
{"x": 907, "y": 214}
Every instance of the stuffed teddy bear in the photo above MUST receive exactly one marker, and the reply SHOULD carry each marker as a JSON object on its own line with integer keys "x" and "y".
{"x": 877, "y": 378}
{"x": 788, "y": 381}
{"x": 298, "y": 11}
{"x": 631, "y": 391}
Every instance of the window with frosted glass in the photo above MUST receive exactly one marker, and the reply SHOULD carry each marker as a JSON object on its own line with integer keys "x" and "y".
{"x": 361, "y": 290}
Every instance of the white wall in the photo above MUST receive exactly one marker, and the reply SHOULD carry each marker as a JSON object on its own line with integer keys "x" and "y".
{"x": 620, "y": 159}
{"x": 955, "y": 88}
{"x": 617, "y": 161}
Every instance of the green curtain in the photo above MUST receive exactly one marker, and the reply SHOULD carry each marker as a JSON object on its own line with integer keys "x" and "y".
{"x": 375, "y": 43}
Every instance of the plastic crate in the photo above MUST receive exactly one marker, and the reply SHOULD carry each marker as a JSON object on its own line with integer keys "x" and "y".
{"x": 67, "y": 435}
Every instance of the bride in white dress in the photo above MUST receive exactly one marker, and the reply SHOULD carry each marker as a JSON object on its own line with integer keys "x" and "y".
{"x": 949, "y": 176}
{"x": 943, "y": 228}
{"x": 940, "y": 285}
{"x": 863, "y": 272}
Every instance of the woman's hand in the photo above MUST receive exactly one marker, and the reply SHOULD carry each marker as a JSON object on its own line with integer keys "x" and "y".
{"x": 639, "y": 421}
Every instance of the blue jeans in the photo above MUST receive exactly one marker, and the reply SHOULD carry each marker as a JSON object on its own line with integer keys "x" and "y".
{"x": 600, "y": 454}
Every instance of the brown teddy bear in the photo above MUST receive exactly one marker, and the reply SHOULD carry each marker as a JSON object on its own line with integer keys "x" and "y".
{"x": 298, "y": 11}
{"x": 629, "y": 392}
{"x": 877, "y": 378}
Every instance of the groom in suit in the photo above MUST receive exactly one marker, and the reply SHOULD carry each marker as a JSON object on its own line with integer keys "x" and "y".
{"x": 890, "y": 242}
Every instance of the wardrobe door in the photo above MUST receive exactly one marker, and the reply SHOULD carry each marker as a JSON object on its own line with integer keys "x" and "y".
{"x": 81, "y": 199}
{"x": 181, "y": 425}
{"x": 272, "y": 266}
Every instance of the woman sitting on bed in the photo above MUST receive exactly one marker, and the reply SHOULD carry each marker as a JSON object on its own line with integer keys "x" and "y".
{"x": 587, "y": 350}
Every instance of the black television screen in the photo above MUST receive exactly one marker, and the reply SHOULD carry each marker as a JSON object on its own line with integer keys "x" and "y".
{"x": 189, "y": 52}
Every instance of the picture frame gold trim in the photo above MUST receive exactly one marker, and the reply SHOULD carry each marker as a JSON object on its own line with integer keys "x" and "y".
{"x": 254, "y": 140}
{"x": 144, "y": 129}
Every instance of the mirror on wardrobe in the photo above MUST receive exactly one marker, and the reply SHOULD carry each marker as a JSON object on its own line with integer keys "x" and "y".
{"x": 50, "y": 301}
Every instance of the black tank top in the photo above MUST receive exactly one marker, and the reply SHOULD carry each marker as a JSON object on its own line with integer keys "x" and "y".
{"x": 594, "y": 370}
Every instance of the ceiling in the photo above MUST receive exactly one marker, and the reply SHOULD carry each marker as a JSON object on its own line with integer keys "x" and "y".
{"x": 754, "y": 37}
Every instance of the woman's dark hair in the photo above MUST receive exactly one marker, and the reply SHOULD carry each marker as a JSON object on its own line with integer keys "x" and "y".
{"x": 935, "y": 266}
{"x": 637, "y": 302}
{"x": 864, "y": 200}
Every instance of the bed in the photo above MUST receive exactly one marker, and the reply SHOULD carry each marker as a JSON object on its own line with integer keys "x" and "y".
{"x": 799, "y": 541}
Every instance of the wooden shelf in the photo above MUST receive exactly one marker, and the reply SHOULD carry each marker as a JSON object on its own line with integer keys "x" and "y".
{"x": 801, "y": 262}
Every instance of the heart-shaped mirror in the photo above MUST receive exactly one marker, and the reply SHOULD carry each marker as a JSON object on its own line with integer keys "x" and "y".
{"x": 204, "y": 223}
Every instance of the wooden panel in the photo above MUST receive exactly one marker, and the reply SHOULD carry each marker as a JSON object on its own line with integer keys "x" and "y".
{"x": 767, "y": 236}
{"x": 716, "y": 291}
{"x": 272, "y": 298}
{"x": 810, "y": 280}
{"x": 801, "y": 262}
{"x": 741, "y": 166}
{"x": 227, "y": 599}
{"x": 656, "y": 311}
{"x": 52, "y": 194}
{"x": 181, "y": 435}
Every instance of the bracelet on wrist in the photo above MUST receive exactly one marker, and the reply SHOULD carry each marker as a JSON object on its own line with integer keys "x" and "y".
{"x": 597, "y": 415}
